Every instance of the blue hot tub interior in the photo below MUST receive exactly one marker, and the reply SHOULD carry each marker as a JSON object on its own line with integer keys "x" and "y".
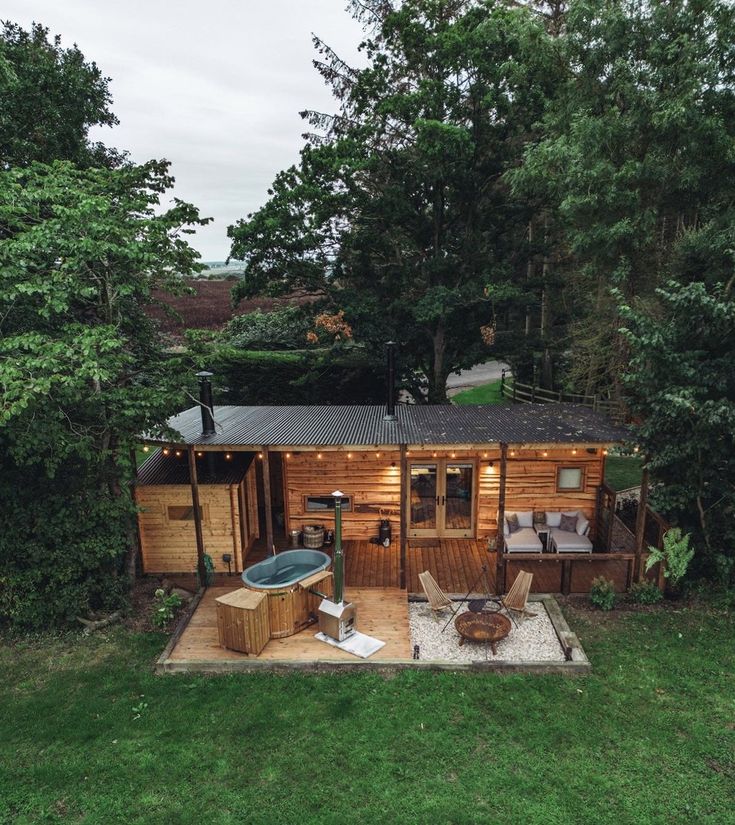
{"x": 285, "y": 568}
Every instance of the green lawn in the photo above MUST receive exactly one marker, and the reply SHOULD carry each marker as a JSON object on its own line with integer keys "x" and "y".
{"x": 89, "y": 735}
{"x": 484, "y": 394}
{"x": 622, "y": 472}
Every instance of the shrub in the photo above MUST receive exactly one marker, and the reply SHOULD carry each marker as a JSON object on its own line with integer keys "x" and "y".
{"x": 675, "y": 555}
{"x": 645, "y": 592}
{"x": 278, "y": 329}
{"x": 165, "y": 607}
{"x": 62, "y": 546}
{"x": 602, "y": 593}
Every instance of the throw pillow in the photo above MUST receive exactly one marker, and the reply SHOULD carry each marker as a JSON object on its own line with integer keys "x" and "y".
{"x": 513, "y": 525}
{"x": 568, "y": 524}
{"x": 582, "y": 525}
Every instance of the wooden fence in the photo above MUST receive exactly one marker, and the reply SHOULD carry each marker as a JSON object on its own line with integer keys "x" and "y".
{"x": 530, "y": 394}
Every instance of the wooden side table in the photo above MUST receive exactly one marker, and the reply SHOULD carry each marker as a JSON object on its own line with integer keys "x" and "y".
{"x": 542, "y": 531}
{"x": 242, "y": 620}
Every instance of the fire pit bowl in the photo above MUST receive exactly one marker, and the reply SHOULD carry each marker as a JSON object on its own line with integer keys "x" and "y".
{"x": 482, "y": 627}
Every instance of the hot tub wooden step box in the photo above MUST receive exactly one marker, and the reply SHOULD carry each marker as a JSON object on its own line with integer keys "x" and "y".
{"x": 242, "y": 621}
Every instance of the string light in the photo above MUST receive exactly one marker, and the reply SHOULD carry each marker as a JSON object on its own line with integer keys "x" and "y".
{"x": 166, "y": 451}
{"x": 349, "y": 455}
{"x": 288, "y": 455}
{"x": 604, "y": 452}
{"x": 484, "y": 455}
{"x": 260, "y": 455}
{"x": 512, "y": 452}
{"x": 574, "y": 452}
{"x": 434, "y": 454}
{"x": 377, "y": 455}
{"x": 200, "y": 454}
{"x": 454, "y": 455}
{"x": 544, "y": 453}
{"x": 228, "y": 456}
{"x": 146, "y": 448}
{"x": 318, "y": 455}
{"x": 178, "y": 453}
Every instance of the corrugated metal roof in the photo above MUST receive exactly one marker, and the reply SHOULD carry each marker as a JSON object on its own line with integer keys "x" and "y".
{"x": 303, "y": 426}
{"x": 212, "y": 468}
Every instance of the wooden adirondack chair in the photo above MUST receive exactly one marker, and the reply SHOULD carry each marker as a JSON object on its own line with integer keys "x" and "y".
{"x": 517, "y": 598}
{"x": 437, "y": 597}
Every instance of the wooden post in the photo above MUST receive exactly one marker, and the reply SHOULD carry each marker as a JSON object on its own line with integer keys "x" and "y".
{"x": 640, "y": 525}
{"x": 404, "y": 516}
{"x": 269, "y": 546}
{"x": 566, "y": 577}
{"x": 502, "y": 383}
{"x": 499, "y": 549}
{"x": 194, "y": 481}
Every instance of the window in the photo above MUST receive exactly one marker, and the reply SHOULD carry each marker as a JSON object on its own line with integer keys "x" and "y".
{"x": 321, "y": 504}
{"x": 569, "y": 478}
{"x": 183, "y": 513}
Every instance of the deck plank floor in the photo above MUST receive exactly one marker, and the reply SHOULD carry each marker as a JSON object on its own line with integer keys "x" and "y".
{"x": 381, "y": 612}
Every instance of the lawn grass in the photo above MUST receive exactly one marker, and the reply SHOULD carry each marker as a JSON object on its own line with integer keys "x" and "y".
{"x": 622, "y": 472}
{"x": 90, "y": 735}
{"x": 484, "y": 394}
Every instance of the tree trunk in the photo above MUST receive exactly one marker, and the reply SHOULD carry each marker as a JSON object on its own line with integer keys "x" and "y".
{"x": 438, "y": 376}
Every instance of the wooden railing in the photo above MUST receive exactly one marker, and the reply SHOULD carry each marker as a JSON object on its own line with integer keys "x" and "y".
{"x": 530, "y": 394}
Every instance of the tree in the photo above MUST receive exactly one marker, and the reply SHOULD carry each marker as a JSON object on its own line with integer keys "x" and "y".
{"x": 49, "y": 98}
{"x": 636, "y": 155}
{"x": 82, "y": 374}
{"x": 681, "y": 387}
{"x": 398, "y": 213}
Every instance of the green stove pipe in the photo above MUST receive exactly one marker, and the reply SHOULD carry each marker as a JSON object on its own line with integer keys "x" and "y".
{"x": 339, "y": 563}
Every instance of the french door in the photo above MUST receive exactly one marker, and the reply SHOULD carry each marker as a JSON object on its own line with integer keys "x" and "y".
{"x": 441, "y": 498}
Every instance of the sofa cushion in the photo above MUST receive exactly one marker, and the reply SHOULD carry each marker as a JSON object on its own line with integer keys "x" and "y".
{"x": 582, "y": 525}
{"x": 525, "y": 518}
{"x": 570, "y": 542}
{"x": 568, "y": 523}
{"x": 553, "y": 519}
{"x": 524, "y": 541}
{"x": 512, "y": 521}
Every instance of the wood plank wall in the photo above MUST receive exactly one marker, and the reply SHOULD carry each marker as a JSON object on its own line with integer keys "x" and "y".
{"x": 531, "y": 481}
{"x": 170, "y": 546}
{"x": 371, "y": 481}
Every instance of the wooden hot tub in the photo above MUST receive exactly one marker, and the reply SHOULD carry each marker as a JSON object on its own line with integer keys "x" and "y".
{"x": 285, "y": 578}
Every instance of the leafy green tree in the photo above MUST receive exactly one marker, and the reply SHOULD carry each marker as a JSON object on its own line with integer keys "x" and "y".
{"x": 681, "y": 388}
{"x": 49, "y": 98}
{"x": 82, "y": 374}
{"x": 398, "y": 213}
{"x": 636, "y": 157}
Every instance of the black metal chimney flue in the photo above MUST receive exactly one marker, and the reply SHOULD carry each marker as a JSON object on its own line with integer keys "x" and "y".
{"x": 205, "y": 402}
{"x": 390, "y": 406}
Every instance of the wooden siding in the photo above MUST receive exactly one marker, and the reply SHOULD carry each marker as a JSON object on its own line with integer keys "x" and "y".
{"x": 531, "y": 481}
{"x": 170, "y": 546}
{"x": 372, "y": 483}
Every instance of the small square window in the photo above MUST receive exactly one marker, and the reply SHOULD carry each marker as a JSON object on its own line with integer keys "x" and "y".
{"x": 183, "y": 513}
{"x": 569, "y": 478}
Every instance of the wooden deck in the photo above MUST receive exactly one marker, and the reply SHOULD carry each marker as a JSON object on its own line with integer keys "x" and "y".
{"x": 381, "y": 612}
{"x": 456, "y": 564}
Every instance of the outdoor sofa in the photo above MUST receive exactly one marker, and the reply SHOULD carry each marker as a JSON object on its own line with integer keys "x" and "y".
{"x": 525, "y": 539}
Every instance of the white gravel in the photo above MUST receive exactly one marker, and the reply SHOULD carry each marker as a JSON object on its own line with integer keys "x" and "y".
{"x": 529, "y": 640}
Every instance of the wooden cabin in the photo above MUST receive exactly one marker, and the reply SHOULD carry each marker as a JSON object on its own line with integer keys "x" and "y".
{"x": 435, "y": 473}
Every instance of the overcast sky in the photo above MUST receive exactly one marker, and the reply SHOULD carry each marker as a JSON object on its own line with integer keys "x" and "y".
{"x": 215, "y": 87}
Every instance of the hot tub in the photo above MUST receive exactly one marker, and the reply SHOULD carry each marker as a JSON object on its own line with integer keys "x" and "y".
{"x": 289, "y": 605}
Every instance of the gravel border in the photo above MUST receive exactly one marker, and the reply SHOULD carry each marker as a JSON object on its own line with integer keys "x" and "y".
{"x": 530, "y": 639}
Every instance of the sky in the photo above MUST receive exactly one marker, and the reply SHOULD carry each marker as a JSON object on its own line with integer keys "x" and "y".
{"x": 214, "y": 87}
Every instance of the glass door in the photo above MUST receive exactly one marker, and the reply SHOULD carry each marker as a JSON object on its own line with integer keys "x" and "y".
{"x": 441, "y": 499}
{"x": 457, "y": 499}
{"x": 423, "y": 502}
